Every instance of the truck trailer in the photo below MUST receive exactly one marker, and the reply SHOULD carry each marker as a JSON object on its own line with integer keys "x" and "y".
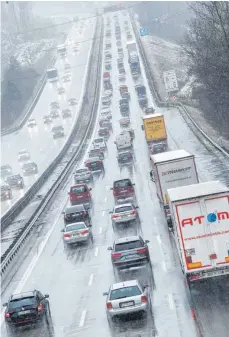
{"x": 200, "y": 216}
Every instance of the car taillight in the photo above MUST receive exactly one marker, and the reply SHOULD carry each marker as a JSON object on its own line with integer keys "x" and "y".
{"x": 115, "y": 255}
{"x": 133, "y": 213}
{"x": 88, "y": 195}
{"x": 99, "y": 162}
{"x": 144, "y": 299}
{"x": 107, "y": 131}
{"x": 40, "y": 307}
{"x": 7, "y": 315}
{"x": 109, "y": 305}
{"x": 129, "y": 155}
{"x": 142, "y": 250}
{"x": 84, "y": 232}
{"x": 67, "y": 216}
{"x": 84, "y": 213}
{"x": 115, "y": 216}
{"x": 67, "y": 235}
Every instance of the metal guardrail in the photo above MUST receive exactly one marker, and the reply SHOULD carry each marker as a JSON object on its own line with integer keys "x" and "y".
{"x": 151, "y": 83}
{"x": 18, "y": 242}
{"x": 16, "y": 208}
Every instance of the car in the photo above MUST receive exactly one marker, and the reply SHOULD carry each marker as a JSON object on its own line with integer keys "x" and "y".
{"x": 125, "y": 298}
{"x": 149, "y": 110}
{"x": 129, "y": 252}
{"x": 15, "y": 181}
{"x": 108, "y": 66}
{"x": 123, "y": 190}
{"x": 94, "y": 164}
{"x": 23, "y": 155}
{"x": 6, "y": 193}
{"x": 124, "y": 109}
{"x": 99, "y": 143}
{"x": 58, "y": 132}
{"x": 124, "y": 213}
{"x": 47, "y": 119}
{"x": 96, "y": 153}
{"x": 131, "y": 132}
{"x": 104, "y": 132}
{"x": 126, "y": 95}
{"x": 118, "y": 43}
{"x": 129, "y": 37}
{"x": 26, "y": 308}
{"x": 122, "y": 70}
{"x": 108, "y": 93}
{"x": 29, "y": 169}
{"x": 76, "y": 213}
{"x": 105, "y": 123}
{"x": 72, "y": 101}
{"x": 158, "y": 147}
{"x": 54, "y": 105}
{"x": 80, "y": 194}
{"x": 106, "y": 99}
{"x": 124, "y": 122}
{"x": 105, "y": 104}
{"x": 66, "y": 78}
{"x": 5, "y": 170}
{"x": 77, "y": 232}
{"x": 31, "y": 123}
{"x": 60, "y": 91}
{"x": 67, "y": 66}
{"x": 125, "y": 156}
{"x": 54, "y": 114}
{"x": 82, "y": 174}
{"x": 108, "y": 56}
{"x": 106, "y": 113}
{"x": 122, "y": 77}
{"x": 66, "y": 113}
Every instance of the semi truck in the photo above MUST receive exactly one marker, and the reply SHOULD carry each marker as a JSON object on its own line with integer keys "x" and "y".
{"x": 169, "y": 170}
{"x": 155, "y": 132}
{"x": 61, "y": 50}
{"x": 200, "y": 216}
{"x": 133, "y": 58}
{"x": 52, "y": 75}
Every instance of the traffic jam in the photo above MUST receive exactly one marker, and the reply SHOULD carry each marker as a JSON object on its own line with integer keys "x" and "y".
{"x": 193, "y": 215}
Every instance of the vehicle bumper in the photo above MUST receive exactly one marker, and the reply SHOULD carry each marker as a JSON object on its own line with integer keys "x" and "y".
{"x": 83, "y": 178}
{"x": 120, "y": 200}
{"x": 126, "y": 219}
{"x": 130, "y": 263}
{"x": 77, "y": 239}
{"x": 128, "y": 310}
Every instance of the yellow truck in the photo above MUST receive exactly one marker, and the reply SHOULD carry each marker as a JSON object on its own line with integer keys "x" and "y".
{"x": 155, "y": 132}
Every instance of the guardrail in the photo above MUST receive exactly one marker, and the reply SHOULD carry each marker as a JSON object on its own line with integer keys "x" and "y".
{"x": 152, "y": 86}
{"x": 16, "y": 208}
{"x": 18, "y": 242}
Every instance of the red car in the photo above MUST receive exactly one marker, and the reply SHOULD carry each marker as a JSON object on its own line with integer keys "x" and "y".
{"x": 80, "y": 194}
{"x": 123, "y": 190}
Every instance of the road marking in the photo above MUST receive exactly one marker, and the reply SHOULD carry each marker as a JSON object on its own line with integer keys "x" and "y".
{"x": 82, "y": 319}
{"x": 105, "y": 199}
{"x": 164, "y": 266}
{"x": 171, "y": 301}
{"x": 96, "y": 251}
{"x": 107, "y": 187}
{"x": 91, "y": 280}
{"x": 159, "y": 239}
{"x": 100, "y": 230}
{"x": 103, "y": 213}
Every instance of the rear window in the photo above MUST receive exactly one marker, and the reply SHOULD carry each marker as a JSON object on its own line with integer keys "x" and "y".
{"x": 29, "y": 165}
{"x": 128, "y": 245}
{"x": 123, "y": 209}
{"x": 78, "y": 190}
{"x": 98, "y": 140}
{"x": 74, "y": 227}
{"x": 122, "y": 183}
{"x": 22, "y": 302}
{"x": 125, "y": 292}
{"x": 77, "y": 208}
{"x": 81, "y": 171}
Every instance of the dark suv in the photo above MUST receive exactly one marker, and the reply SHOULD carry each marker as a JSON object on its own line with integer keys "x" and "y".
{"x": 129, "y": 252}
{"x": 26, "y": 308}
{"x": 76, "y": 213}
{"x": 15, "y": 181}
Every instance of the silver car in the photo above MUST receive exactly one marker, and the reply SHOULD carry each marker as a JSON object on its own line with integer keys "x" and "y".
{"x": 31, "y": 123}
{"x": 83, "y": 174}
{"x": 124, "y": 213}
{"x": 77, "y": 232}
{"x": 23, "y": 155}
{"x": 99, "y": 143}
{"x": 127, "y": 298}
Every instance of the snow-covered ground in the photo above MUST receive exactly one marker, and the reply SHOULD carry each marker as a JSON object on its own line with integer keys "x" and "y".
{"x": 165, "y": 55}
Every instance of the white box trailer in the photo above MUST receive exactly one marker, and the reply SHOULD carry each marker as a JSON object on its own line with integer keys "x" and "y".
{"x": 172, "y": 169}
{"x": 200, "y": 216}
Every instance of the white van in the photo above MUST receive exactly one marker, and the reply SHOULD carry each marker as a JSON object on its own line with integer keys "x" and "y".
{"x": 123, "y": 141}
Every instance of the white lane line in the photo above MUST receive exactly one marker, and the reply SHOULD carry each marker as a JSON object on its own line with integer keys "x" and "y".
{"x": 82, "y": 319}
{"x": 103, "y": 213}
{"x": 105, "y": 199}
{"x": 107, "y": 187}
{"x": 96, "y": 251}
{"x": 171, "y": 301}
{"x": 164, "y": 266}
{"x": 91, "y": 280}
{"x": 100, "y": 230}
{"x": 159, "y": 239}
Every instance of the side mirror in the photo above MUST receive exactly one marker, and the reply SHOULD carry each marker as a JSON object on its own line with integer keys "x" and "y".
{"x": 63, "y": 212}
{"x": 90, "y": 189}
{"x": 146, "y": 286}
{"x": 62, "y": 230}
{"x": 110, "y": 212}
{"x": 133, "y": 184}
{"x": 109, "y": 248}
{"x": 4, "y": 305}
{"x": 89, "y": 225}
{"x": 136, "y": 207}
{"x": 46, "y": 296}
{"x": 147, "y": 241}
{"x": 105, "y": 294}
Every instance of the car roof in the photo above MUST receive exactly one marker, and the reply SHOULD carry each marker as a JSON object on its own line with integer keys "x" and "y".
{"x": 92, "y": 159}
{"x": 127, "y": 239}
{"x": 76, "y": 223}
{"x": 14, "y": 176}
{"x": 123, "y": 205}
{"x": 116, "y": 181}
{"x": 78, "y": 185}
{"x": 124, "y": 284}
{"x": 23, "y": 295}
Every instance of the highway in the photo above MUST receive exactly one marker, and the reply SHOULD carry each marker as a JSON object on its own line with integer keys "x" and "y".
{"x": 76, "y": 277}
{"x": 39, "y": 141}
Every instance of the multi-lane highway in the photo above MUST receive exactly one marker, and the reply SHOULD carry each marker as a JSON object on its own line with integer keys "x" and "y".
{"x": 39, "y": 140}
{"x": 76, "y": 277}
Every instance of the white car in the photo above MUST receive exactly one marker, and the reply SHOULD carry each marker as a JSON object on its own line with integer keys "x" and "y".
{"x": 124, "y": 213}
{"x": 83, "y": 174}
{"x": 122, "y": 77}
{"x": 99, "y": 143}
{"x": 31, "y": 123}
{"x": 23, "y": 155}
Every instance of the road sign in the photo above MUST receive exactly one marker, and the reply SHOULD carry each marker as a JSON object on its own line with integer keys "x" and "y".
{"x": 144, "y": 31}
{"x": 170, "y": 80}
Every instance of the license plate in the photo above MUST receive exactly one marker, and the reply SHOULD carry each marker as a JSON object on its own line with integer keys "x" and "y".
{"x": 127, "y": 304}
{"x": 77, "y": 234}
{"x": 75, "y": 215}
{"x": 21, "y": 313}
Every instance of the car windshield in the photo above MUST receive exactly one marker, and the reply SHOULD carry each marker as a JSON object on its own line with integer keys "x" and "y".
{"x": 81, "y": 171}
{"x": 122, "y": 183}
{"x": 78, "y": 189}
{"x": 125, "y": 292}
{"x": 75, "y": 226}
{"x": 124, "y": 154}
{"x": 73, "y": 209}
{"x": 28, "y": 165}
{"x": 123, "y": 209}
{"x": 128, "y": 245}
{"x": 22, "y": 302}
{"x": 98, "y": 140}
{"x": 12, "y": 178}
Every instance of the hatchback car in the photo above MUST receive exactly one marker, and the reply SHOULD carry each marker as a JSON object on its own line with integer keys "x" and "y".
{"x": 105, "y": 123}
{"x": 77, "y": 232}
{"x": 76, "y": 213}
{"x": 47, "y": 119}
{"x": 129, "y": 252}
{"x": 23, "y": 155}
{"x": 83, "y": 174}
{"x": 126, "y": 298}
{"x": 99, "y": 143}
{"x": 104, "y": 132}
{"x": 72, "y": 101}
{"x": 122, "y": 77}
{"x": 5, "y": 170}
{"x": 96, "y": 153}
{"x": 125, "y": 156}
{"x": 80, "y": 194}
{"x": 124, "y": 213}
{"x": 29, "y": 169}
{"x": 107, "y": 114}
{"x": 58, "y": 132}
{"x": 94, "y": 164}
{"x": 6, "y": 192}
{"x": 54, "y": 105}
{"x": 67, "y": 66}
{"x": 26, "y": 308}
{"x": 15, "y": 181}
{"x": 149, "y": 110}
{"x": 66, "y": 113}
{"x": 60, "y": 91}
{"x": 123, "y": 190}
{"x": 31, "y": 123}
{"x": 54, "y": 114}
